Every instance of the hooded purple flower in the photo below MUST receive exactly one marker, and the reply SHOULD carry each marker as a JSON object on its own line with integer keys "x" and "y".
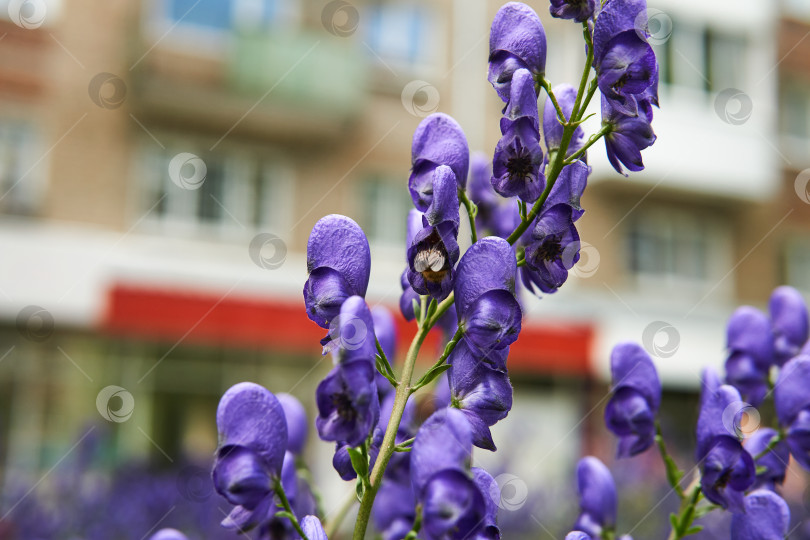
{"x": 394, "y": 509}
{"x": 597, "y": 497}
{"x": 438, "y": 140}
{"x": 628, "y": 136}
{"x": 775, "y": 461}
{"x": 766, "y": 517}
{"x": 297, "y": 422}
{"x": 516, "y": 40}
{"x": 577, "y": 535}
{"x": 630, "y": 413}
{"x": 452, "y": 504}
{"x": 750, "y": 345}
{"x": 625, "y": 63}
{"x": 569, "y": 187}
{"x": 348, "y": 405}
{"x": 727, "y": 470}
{"x": 351, "y": 333}
{"x": 313, "y": 529}
{"x": 552, "y": 128}
{"x": 252, "y": 443}
{"x": 789, "y": 323}
{"x": 434, "y": 250}
{"x": 492, "y": 496}
{"x": 579, "y": 10}
{"x": 792, "y": 402}
{"x": 480, "y": 388}
{"x": 516, "y": 166}
{"x": 552, "y": 251}
{"x": 487, "y": 308}
{"x": 338, "y": 263}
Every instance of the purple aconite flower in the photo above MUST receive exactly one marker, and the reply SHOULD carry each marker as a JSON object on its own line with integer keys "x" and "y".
{"x": 597, "y": 497}
{"x": 452, "y": 506}
{"x": 394, "y": 509}
{"x": 552, "y": 128}
{"x": 569, "y": 187}
{"x": 774, "y": 461}
{"x": 518, "y": 160}
{"x": 579, "y": 10}
{"x": 338, "y": 263}
{"x": 577, "y": 535}
{"x": 552, "y": 251}
{"x": 789, "y": 323}
{"x": 750, "y": 345}
{"x": 433, "y": 251}
{"x": 488, "y": 311}
{"x": 252, "y": 443}
{"x": 766, "y": 517}
{"x": 312, "y": 528}
{"x": 444, "y": 441}
{"x": 625, "y": 63}
{"x": 297, "y": 423}
{"x": 792, "y": 403}
{"x": 351, "y": 333}
{"x": 516, "y": 40}
{"x": 727, "y": 470}
{"x": 630, "y": 413}
{"x": 438, "y": 140}
{"x": 348, "y": 405}
{"x": 480, "y": 388}
{"x": 492, "y": 496}
{"x": 628, "y": 136}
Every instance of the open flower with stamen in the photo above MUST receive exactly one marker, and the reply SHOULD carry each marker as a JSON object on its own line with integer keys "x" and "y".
{"x": 434, "y": 250}
{"x": 552, "y": 251}
{"x": 518, "y": 160}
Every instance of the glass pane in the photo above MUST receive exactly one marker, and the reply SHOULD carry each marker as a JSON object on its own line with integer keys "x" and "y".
{"x": 687, "y": 58}
{"x": 727, "y": 54}
{"x": 210, "y": 203}
{"x": 209, "y": 13}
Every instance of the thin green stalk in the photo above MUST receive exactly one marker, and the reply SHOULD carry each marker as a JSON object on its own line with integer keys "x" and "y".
{"x": 674, "y": 474}
{"x": 590, "y": 142}
{"x": 287, "y": 509}
{"x": 682, "y": 523}
{"x": 545, "y": 85}
{"x": 389, "y": 439}
{"x": 771, "y": 445}
{"x": 472, "y": 211}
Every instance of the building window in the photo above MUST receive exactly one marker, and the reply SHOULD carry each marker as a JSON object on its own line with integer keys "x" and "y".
{"x": 702, "y": 58}
{"x": 670, "y": 245}
{"x": 387, "y": 203}
{"x": 399, "y": 34}
{"x": 20, "y": 171}
{"x": 795, "y": 109}
{"x": 800, "y": 9}
{"x": 797, "y": 264}
{"x": 243, "y": 191}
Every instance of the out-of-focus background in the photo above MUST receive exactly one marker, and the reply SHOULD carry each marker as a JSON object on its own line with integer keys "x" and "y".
{"x": 163, "y": 161}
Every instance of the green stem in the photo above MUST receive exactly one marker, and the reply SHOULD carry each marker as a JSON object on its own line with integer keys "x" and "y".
{"x": 545, "y": 85}
{"x": 472, "y": 211}
{"x": 686, "y": 512}
{"x": 674, "y": 475}
{"x": 447, "y": 350}
{"x": 279, "y": 489}
{"x": 403, "y": 392}
{"x": 385, "y": 362}
{"x": 771, "y": 445}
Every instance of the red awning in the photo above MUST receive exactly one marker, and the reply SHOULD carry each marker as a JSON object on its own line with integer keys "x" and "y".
{"x": 171, "y": 315}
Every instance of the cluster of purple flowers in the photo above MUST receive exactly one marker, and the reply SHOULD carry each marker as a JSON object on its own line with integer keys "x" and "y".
{"x": 741, "y": 464}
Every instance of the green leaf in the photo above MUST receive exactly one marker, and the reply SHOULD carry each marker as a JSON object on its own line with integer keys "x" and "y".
{"x": 694, "y": 530}
{"x": 360, "y": 490}
{"x": 430, "y": 376}
{"x": 359, "y": 462}
{"x": 761, "y": 469}
{"x": 283, "y": 514}
{"x": 432, "y": 307}
{"x": 382, "y": 368}
{"x": 673, "y": 520}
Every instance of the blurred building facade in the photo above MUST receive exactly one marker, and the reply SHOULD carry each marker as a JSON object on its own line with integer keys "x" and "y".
{"x": 162, "y": 163}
